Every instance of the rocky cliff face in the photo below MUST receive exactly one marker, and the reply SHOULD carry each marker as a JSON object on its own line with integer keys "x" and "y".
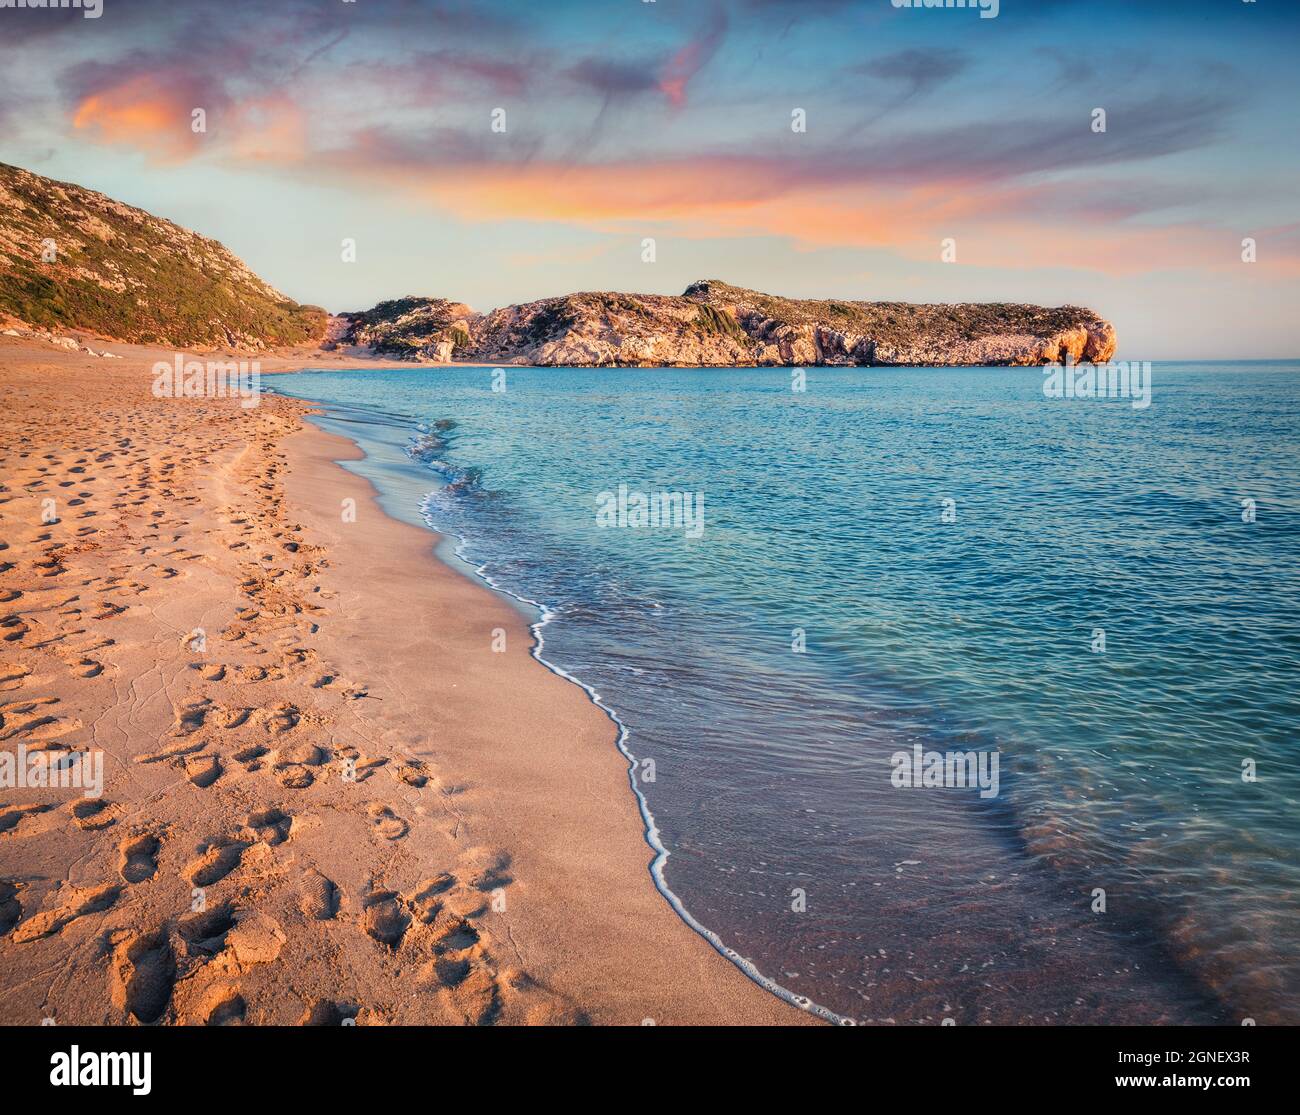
{"x": 714, "y": 324}
{"x": 72, "y": 258}
{"x": 407, "y": 328}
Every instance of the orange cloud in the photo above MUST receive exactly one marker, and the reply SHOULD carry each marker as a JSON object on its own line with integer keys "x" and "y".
{"x": 994, "y": 226}
{"x": 143, "y": 111}
{"x": 154, "y": 114}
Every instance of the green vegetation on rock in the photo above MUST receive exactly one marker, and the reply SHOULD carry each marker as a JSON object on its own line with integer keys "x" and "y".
{"x": 123, "y": 273}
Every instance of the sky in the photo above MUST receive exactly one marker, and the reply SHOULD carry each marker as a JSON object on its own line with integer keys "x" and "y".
{"x": 493, "y": 152}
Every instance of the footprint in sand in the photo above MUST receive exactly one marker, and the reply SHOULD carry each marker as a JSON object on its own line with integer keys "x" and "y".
{"x": 12, "y": 817}
{"x": 282, "y": 718}
{"x": 384, "y": 919}
{"x": 14, "y": 629}
{"x": 217, "y": 859}
{"x": 450, "y": 971}
{"x": 486, "y": 869}
{"x": 192, "y": 716}
{"x": 553, "y": 1010}
{"x": 235, "y": 717}
{"x": 317, "y": 896}
{"x": 76, "y": 902}
{"x": 483, "y": 871}
{"x": 144, "y": 971}
{"x": 93, "y": 813}
{"x": 386, "y": 823}
{"x": 474, "y": 997}
{"x": 89, "y": 646}
{"x": 249, "y": 756}
{"x": 294, "y": 777}
{"x": 11, "y": 909}
{"x": 29, "y": 719}
{"x": 203, "y": 770}
{"x": 293, "y": 765}
{"x": 138, "y": 857}
{"x": 299, "y": 656}
{"x": 86, "y": 667}
{"x": 204, "y": 932}
{"x": 222, "y": 1005}
{"x": 412, "y": 772}
{"x": 326, "y": 1012}
{"x": 271, "y": 825}
{"x": 15, "y": 678}
{"x": 456, "y": 934}
{"x": 426, "y": 901}
{"x": 461, "y": 970}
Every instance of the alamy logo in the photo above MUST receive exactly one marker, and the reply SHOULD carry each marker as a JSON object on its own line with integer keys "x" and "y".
{"x": 1130, "y": 380}
{"x": 959, "y": 770}
{"x": 90, "y": 9}
{"x": 988, "y": 8}
{"x": 133, "y": 1070}
{"x": 635, "y": 510}
{"x": 53, "y": 770}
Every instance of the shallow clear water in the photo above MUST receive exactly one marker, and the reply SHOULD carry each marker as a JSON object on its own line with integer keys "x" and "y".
{"x": 823, "y": 511}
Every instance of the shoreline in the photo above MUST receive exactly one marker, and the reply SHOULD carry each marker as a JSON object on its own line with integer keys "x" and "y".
{"x": 486, "y": 865}
{"x": 650, "y": 829}
{"x": 383, "y": 433}
{"x": 311, "y": 456}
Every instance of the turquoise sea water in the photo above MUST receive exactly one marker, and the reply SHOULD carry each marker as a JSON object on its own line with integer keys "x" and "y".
{"x": 824, "y": 512}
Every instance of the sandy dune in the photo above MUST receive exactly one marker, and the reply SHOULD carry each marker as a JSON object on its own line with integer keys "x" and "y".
{"x": 326, "y": 798}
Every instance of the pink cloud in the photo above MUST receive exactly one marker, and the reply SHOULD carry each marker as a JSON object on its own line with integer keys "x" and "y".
{"x": 692, "y": 58}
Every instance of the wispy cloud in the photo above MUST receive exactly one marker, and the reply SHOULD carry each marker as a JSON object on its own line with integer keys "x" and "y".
{"x": 917, "y": 70}
{"x": 693, "y": 57}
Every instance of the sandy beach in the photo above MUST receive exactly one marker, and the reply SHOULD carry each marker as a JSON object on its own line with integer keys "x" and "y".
{"x": 328, "y": 795}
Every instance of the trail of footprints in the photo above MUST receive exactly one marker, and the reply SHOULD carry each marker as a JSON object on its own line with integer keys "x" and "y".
{"x": 208, "y": 737}
{"x": 431, "y": 927}
{"x": 52, "y": 619}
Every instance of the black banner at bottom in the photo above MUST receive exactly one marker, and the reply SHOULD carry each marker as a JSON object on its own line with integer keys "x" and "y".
{"x": 184, "y": 1063}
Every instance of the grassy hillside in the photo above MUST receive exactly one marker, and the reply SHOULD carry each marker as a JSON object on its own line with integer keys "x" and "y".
{"x": 123, "y": 273}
